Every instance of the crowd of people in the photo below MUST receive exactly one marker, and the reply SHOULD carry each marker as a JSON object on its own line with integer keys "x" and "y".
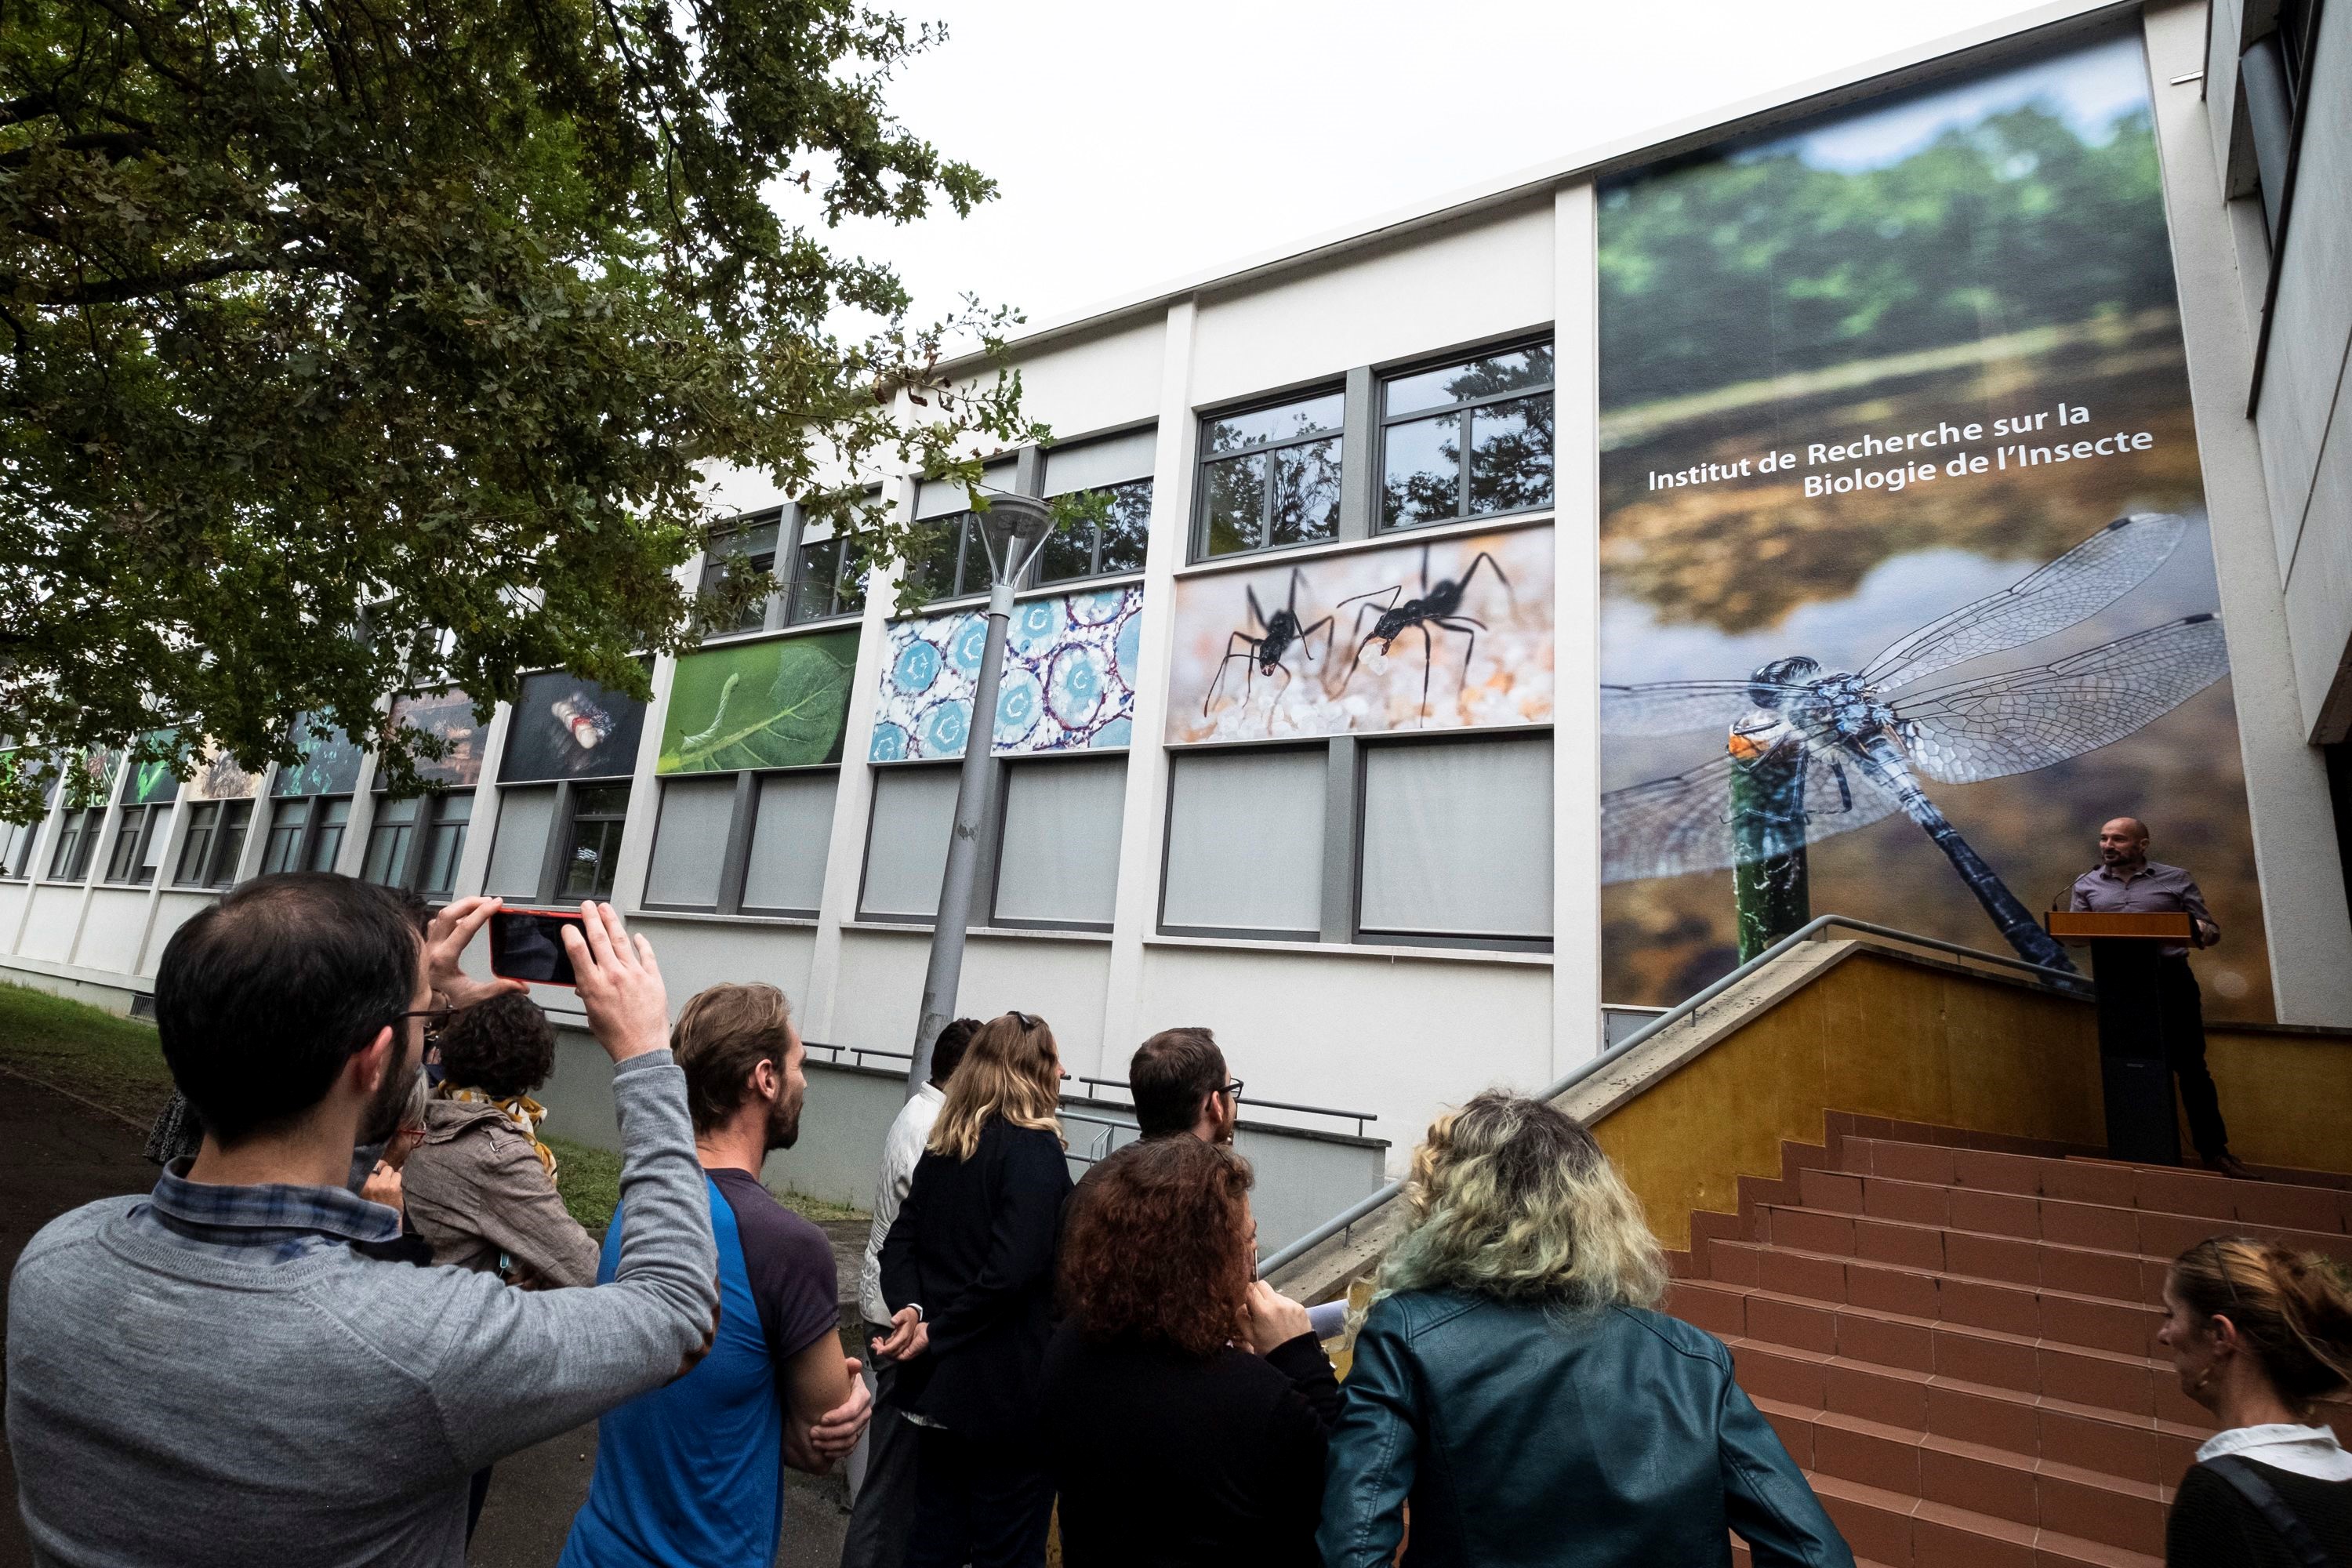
{"x": 354, "y": 1288}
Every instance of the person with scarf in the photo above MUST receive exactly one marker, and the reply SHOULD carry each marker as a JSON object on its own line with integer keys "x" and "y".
{"x": 480, "y": 1187}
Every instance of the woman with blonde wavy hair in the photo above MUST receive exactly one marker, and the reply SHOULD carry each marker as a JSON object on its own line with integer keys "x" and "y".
{"x": 1515, "y": 1383}
{"x": 968, "y": 1275}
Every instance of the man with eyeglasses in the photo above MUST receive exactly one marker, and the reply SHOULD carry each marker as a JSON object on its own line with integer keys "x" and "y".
{"x": 217, "y": 1371}
{"x": 1179, "y": 1083}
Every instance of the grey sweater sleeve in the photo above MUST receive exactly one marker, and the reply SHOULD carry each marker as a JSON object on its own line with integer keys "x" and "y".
{"x": 524, "y": 1365}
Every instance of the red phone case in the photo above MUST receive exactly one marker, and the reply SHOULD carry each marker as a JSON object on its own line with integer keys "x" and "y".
{"x": 571, "y": 915}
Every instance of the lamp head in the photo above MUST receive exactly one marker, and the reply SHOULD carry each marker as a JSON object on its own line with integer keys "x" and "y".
{"x": 1013, "y": 528}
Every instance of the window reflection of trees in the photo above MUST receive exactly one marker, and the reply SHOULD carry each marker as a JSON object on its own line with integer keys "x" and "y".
{"x": 1424, "y": 478}
{"x": 1081, "y": 550}
{"x": 1271, "y": 476}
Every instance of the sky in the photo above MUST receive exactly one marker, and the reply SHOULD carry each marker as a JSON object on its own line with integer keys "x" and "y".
{"x": 1135, "y": 145}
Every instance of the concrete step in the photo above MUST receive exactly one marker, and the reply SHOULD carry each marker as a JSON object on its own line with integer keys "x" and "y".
{"x": 1883, "y": 1244}
{"x": 1909, "y": 1531}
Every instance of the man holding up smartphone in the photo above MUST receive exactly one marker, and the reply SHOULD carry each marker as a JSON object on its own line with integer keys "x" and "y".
{"x": 203, "y": 1374}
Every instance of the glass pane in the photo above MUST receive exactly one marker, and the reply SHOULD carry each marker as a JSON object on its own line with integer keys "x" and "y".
{"x": 849, "y": 593}
{"x": 124, "y": 859}
{"x": 286, "y": 824}
{"x": 1422, "y": 483}
{"x": 1069, "y": 553}
{"x": 235, "y": 816}
{"x": 1231, "y": 431}
{"x": 444, "y": 846}
{"x": 690, "y": 842}
{"x": 1510, "y": 454}
{"x": 521, "y": 845}
{"x": 335, "y": 816}
{"x": 907, "y": 844}
{"x": 1474, "y": 378}
{"x": 196, "y": 844}
{"x": 1123, "y": 531}
{"x": 1457, "y": 838}
{"x": 387, "y": 849}
{"x": 595, "y": 856}
{"x": 932, "y": 566}
{"x": 812, "y": 588}
{"x": 600, "y": 800}
{"x": 388, "y": 812}
{"x": 1306, "y": 493}
{"x": 158, "y": 832}
{"x": 1236, "y": 502}
{"x": 1059, "y": 855}
{"x": 1245, "y": 841}
{"x": 790, "y": 838}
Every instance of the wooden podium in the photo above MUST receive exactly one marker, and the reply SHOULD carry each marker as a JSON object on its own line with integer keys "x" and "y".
{"x": 2125, "y": 950}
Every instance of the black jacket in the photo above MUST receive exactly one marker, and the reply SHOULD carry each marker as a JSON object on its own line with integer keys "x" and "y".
{"x": 1607, "y": 1439}
{"x": 1165, "y": 1460}
{"x": 973, "y": 1246}
{"x": 2213, "y": 1526}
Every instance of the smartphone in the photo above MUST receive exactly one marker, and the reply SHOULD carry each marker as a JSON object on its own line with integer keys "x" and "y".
{"x": 527, "y": 944}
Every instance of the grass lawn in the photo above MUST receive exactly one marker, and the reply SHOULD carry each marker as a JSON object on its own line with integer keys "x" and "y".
{"x": 117, "y": 1063}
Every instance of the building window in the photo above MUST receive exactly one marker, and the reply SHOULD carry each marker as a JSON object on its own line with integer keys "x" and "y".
{"x": 907, "y": 842}
{"x": 748, "y": 546}
{"x": 444, "y": 842}
{"x": 518, "y": 848}
{"x": 1270, "y": 477}
{"x": 16, "y": 846}
{"x": 1457, "y": 841}
{"x": 947, "y": 560}
{"x": 289, "y": 824}
{"x": 828, "y": 579}
{"x": 139, "y": 840}
{"x": 333, "y": 817}
{"x": 1058, "y": 853}
{"x": 215, "y": 837}
{"x": 387, "y": 845}
{"x": 743, "y": 843}
{"x": 592, "y": 850}
{"x": 76, "y": 838}
{"x": 1497, "y": 409}
{"x": 1091, "y": 549}
{"x": 306, "y": 834}
{"x": 1245, "y": 843}
{"x": 791, "y": 833}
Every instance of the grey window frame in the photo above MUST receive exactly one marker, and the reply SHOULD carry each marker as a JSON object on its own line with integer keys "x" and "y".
{"x": 1035, "y": 574}
{"x": 1361, "y": 770}
{"x": 734, "y": 868}
{"x": 407, "y": 872}
{"x": 983, "y": 880}
{"x": 785, "y": 601}
{"x": 15, "y": 863}
{"x": 2274, "y": 103}
{"x": 563, "y": 834}
{"x": 1338, "y": 757}
{"x": 1204, "y": 460}
{"x": 136, "y": 825}
{"x": 312, "y": 831}
{"x": 1465, "y": 409}
{"x": 713, "y": 559}
{"x": 75, "y": 839}
{"x": 209, "y": 872}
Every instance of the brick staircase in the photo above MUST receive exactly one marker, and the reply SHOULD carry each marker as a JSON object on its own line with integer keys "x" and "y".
{"x": 1955, "y": 1335}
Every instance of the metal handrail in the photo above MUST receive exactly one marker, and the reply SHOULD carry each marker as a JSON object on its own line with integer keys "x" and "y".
{"x": 1358, "y": 1117}
{"x": 2059, "y": 978}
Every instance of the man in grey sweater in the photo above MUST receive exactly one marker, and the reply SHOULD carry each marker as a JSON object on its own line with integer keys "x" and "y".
{"x": 212, "y": 1375}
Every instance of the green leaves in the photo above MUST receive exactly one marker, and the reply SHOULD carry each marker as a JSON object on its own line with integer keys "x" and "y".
{"x": 365, "y": 346}
{"x": 770, "y": 704}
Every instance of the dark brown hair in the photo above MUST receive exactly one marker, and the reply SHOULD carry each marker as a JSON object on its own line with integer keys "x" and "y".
{"x": 1156, "y": 1246}
{"x": 1171, "y": 1073}
{"x": 946, "y": 1051}
{"x": 721, "y": 1036}
{"x": 2291, "y": 1310}
{"x": 503, "y": 1046}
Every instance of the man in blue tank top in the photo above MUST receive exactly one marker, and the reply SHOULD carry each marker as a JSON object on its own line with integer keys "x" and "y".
{"x": 691, "y": 1474}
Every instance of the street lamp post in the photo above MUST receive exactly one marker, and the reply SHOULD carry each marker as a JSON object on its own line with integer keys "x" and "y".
{"x": 1012, "y": 530}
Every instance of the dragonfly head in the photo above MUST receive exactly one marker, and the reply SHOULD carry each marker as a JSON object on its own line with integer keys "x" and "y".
{"x": 1765, "y": 685}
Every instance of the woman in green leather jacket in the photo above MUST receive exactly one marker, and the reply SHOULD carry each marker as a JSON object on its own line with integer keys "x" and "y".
{"x": 1513, "y": 1382}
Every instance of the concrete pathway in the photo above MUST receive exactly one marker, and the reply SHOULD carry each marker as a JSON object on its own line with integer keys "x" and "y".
{"x": 57, "y": 1152}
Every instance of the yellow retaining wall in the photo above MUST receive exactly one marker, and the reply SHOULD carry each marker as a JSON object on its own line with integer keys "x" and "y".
{"x": 1920, "y": 1041}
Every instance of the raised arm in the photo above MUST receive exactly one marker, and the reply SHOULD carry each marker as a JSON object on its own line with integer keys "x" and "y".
{"x": 522, "y": 1366}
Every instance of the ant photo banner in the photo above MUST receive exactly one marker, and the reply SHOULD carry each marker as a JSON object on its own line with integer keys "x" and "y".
{"x": 1905, "y": 580}
{"x": 1068, "y": 682}
{"x": 1440, "y": 634}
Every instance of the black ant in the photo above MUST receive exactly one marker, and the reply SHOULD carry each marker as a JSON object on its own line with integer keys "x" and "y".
{"x": 1265, "y": 654}
{"x": 1440, "y": 606}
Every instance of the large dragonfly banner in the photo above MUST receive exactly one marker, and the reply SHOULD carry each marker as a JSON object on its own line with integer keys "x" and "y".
{"x": 1907, "y": 580}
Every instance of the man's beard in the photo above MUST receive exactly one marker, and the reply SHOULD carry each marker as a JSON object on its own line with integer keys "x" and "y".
{"x": 383, "y": 1118}
{"x": 783, "y": 1126}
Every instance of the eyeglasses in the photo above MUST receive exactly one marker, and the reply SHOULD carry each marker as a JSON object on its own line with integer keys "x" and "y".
{"x": 435, "y": 1018}
{"x": 1233, "y": 1089}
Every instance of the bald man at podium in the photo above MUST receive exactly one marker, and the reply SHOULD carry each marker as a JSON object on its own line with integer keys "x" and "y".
{"x": 2125, "y": 881}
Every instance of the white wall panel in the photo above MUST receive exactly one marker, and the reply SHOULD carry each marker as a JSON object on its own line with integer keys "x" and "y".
{"x": 110, "y": 931}
{"x": 50, "y": 925}
{"x": 696, "y": 954}
{"x": 172, "y": 910}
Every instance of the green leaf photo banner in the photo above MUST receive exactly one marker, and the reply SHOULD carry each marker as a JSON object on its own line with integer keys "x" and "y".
{"x": 781, "y": 702}
{"x": 1906, "y": 581}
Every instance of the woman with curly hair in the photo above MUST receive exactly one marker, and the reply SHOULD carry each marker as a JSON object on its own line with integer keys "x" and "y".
{"x": 1187, "y": 1405}
{"x": 1514, "y": 1381}
{"x": 968, "y": 1275}
{"x": 480, "y": 1187}
{"x": 2258, "y": 1335}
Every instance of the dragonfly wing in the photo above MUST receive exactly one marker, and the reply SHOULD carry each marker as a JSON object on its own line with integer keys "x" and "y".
{"x": 2028, "y": 719}
{"x": 1668, "y": 827}
{"x": 2068, "y": 591}
{"x": 1672, "y": 707}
